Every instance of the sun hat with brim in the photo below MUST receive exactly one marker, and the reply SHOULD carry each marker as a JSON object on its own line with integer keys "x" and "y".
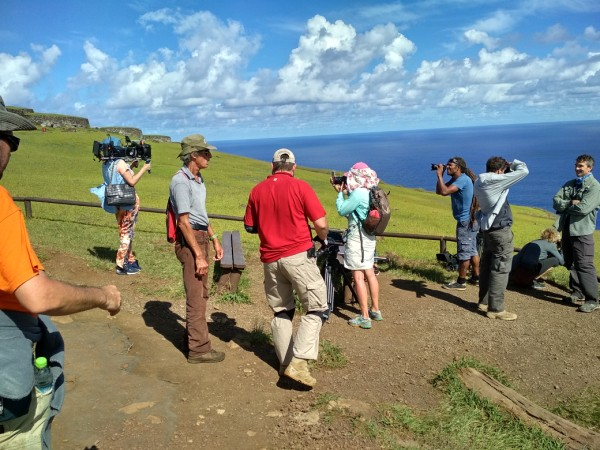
{"x": 13, "y": 122}
{"x": 194, "y": 143}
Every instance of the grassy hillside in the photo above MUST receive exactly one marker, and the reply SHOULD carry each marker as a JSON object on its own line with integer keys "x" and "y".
{"x": 59, "y": 164}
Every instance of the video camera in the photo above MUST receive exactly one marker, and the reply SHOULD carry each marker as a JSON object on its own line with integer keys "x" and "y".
{"x": 111, "y": 148}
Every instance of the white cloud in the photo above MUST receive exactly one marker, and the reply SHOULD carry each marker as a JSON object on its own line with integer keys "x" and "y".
{"x": 555, "y": 33}
{"x": 21, "y": 72}
{"x": 481, "y": 37}
{"x": 592, "y": 34}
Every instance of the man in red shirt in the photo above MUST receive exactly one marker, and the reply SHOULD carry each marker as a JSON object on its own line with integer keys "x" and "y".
{"x": 279, "y": 209}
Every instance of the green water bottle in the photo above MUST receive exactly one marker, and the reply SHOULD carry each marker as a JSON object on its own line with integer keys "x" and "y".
{"x": 43, "y": 376}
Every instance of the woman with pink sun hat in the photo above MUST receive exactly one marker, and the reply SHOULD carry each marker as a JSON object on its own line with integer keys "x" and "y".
{"x": 359, "y": 255}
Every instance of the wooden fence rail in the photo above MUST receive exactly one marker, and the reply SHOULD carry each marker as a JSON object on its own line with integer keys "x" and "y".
{"x": 29, "y": 214}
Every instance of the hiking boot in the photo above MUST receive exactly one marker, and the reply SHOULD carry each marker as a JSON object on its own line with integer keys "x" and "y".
{"x": 127, "y": 270}
{"x": 360, "y": 321}
{"x": 473, "y": 281}
{"x": 456, "y": 286}
{"x": 209, "y": 357}
{"x": 502, "y": 315}
{"x": 538, "y": 285}
{"x": 481, "y": 307}
{"x": 589, "y": 307}
{"x": 298, "y": 371}
{"x": 375, "y": 315}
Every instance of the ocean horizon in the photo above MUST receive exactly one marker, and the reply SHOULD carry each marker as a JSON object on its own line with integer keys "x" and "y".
{"x": 404, "y": 158}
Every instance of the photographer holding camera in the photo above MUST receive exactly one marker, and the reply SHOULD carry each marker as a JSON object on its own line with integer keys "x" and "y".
{"x": 117, "y": 170}
{"x": 464, "y": 206}
{"x": 359, "y": 254}
{"x": 577, "y": 202}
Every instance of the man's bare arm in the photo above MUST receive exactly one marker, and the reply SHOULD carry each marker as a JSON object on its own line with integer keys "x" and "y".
{"x": 42, "y": 295}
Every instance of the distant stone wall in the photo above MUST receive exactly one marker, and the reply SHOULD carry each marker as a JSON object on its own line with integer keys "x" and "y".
{"x": 157, "y": 138}
{"x": 58, "y": 121}
{"x": 70, "y": 122}
{"x": 133, "y": 133}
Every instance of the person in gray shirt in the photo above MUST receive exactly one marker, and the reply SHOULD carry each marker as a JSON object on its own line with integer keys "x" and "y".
{"x": 535, "y": 259}
{"x": 495, "y": 220}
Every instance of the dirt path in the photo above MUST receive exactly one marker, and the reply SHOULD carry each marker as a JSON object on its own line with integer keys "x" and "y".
{"x": 130, "y": 387}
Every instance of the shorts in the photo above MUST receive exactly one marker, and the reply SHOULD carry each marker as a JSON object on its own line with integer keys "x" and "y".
{"x": 466, "y": 241}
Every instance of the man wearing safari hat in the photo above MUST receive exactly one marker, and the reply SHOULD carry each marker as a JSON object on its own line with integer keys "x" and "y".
{"x": 279, "y": 209}
{"x": 27, "y": 295}
{"x": 187, "y": 194}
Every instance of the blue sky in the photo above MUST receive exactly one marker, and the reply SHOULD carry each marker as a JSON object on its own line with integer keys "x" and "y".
{"x": 237, "y": 69}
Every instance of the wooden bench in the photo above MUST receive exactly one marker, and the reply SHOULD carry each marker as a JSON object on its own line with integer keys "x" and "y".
{"x": 233, "y": 261}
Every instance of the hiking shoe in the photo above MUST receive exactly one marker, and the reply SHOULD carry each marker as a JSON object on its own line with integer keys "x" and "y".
{"x": 127, "y": 270}
{"x": 298, "y": 371}
{"x": 135, "y": 264}
{"x": 209, "y": 357}
{"x": 375, "y": 315}
{"x": 481, "y": 307}
{"x": 456, "y": 286}
{"x": 502, "y": 315}
{"x": 360, "y": 321}
{"x": 573, "y": 299}
{"x": 538, "y": 285}
{"x": 473, "y": 281}
{"x": 588, "y": 307}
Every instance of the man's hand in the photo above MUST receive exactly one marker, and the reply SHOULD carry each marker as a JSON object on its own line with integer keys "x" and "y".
{"x": 113, "y": 299}
{"x": 201, "y": 265}
{"x": 218, "y": 250}
{"x": 440, "y": 169}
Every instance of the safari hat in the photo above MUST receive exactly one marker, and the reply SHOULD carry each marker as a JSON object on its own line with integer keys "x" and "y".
{"x": 194, "y": 143}
{"x": 13, "y": 122}
{"x": 284, "y": 155}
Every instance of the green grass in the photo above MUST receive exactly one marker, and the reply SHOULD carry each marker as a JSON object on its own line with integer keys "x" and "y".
{"x": 462, "y": 421}
{"x": 330, "y": 356}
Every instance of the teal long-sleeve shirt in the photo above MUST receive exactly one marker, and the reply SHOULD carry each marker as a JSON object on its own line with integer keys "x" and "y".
{"x": 357, "y": 200}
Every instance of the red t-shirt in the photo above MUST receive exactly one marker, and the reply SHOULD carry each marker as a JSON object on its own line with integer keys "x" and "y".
{"x": 279, "y": 208}
{"x": 18, "y": 261}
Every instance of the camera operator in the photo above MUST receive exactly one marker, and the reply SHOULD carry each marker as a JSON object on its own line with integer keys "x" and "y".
{"x": 464, "y": 205}
{"x": 359, "y": 254}
{"x": 117, "y": 171}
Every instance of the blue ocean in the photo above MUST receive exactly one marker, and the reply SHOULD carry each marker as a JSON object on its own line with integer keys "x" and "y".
{"x": 404, "y": 157}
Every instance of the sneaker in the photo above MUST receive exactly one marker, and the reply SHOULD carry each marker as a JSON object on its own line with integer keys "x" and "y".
{"x": 375, "y": 315}
{"x": 589, "y": 307}
{"x": 502, "y": 315}
{"x": 456, "y": 286}
{"x": 473, "y": 281}
{"x": 298, "y": 371}
{"x": 127, "y": 270}
{"x": 482, "y": 307}
{"x": 210, "y": 357}
{"x": 573, "y": 299}
{"x": 135, "y": 264}
{"x": 360, "y": 321}
{"x": 538, "y": 285}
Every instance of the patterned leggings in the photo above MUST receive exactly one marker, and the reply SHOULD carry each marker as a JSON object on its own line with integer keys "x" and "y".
{"x": 126, "y": 220}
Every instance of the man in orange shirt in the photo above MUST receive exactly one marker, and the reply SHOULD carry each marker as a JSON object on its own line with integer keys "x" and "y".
{"x": 27, "y": 295}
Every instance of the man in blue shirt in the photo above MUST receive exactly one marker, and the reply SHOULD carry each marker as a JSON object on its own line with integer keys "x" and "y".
{"x": 460, "y": 189}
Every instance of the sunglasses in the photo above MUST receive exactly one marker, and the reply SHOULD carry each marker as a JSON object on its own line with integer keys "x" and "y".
{"x": 12, "y": 141}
